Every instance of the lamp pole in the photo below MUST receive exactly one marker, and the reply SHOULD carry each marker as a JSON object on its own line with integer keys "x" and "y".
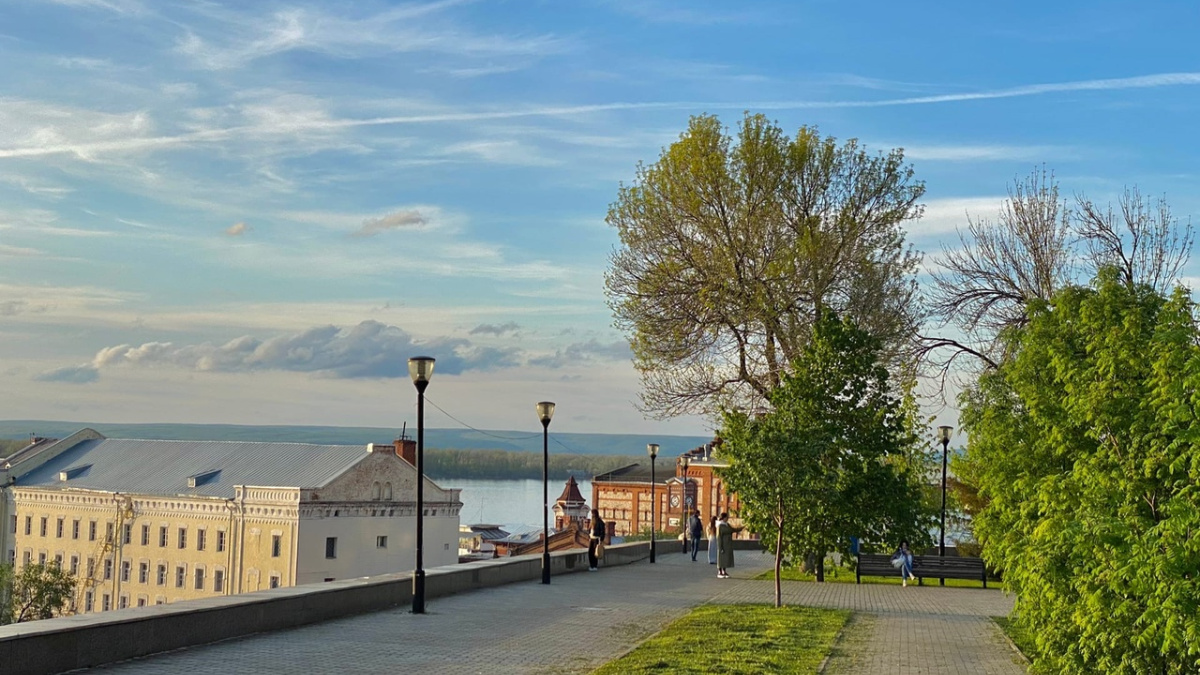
{"x": 944, "y": 434}
{"x": 652, "y": 450}
{"x": 420, "y": 369}
{"x": 545, "y": 411}
{"x": 683, "y": 464}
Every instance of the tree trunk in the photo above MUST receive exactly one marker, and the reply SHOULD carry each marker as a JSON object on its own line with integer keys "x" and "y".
{"x": 821, "y": 569}
{"x": 778, "y": 565}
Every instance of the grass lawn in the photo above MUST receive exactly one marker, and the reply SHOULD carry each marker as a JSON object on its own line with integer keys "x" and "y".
{"x": 845, "y": 575}
{"x": 1014, "y": 632}
{"x": 749, "y": 639}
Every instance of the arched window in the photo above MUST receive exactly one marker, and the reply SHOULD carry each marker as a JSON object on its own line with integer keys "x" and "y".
{"x": 375, "y": 490}
{"x": 387, "y": 491}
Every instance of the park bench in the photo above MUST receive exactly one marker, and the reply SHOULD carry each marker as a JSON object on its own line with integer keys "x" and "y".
{"x": 924, "y": 566}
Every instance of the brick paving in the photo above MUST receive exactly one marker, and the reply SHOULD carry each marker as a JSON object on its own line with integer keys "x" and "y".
{"x": 583, "y": 620}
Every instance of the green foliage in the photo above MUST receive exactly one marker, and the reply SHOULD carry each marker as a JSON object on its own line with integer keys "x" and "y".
{"x": 8, "y": 447}
{"x": 501, "y": 464}
{"x": 731, "y": 245}
{"x": 1085, "y": 448}
{"x": 837, "y": 456}
{"x": 737, "y": 639}
{"x": 35, "y": 592}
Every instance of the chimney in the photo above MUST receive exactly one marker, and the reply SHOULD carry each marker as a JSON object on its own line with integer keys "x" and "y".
{"x": 406, "y": 449}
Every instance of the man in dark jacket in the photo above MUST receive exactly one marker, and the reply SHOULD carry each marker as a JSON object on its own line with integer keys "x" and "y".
{"x": 695, "y": 531}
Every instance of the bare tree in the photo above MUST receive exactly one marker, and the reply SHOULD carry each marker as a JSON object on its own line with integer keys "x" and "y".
{"x": 986, "y": 284}
{"x": 1141, "y": 239}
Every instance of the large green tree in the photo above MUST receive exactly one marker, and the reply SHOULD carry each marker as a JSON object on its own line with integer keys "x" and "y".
{"x": 1085, "y": 447}
{"x": 36, "y": 591}
{"x": 836, "y": 455}
{"x": 732, "y": 246}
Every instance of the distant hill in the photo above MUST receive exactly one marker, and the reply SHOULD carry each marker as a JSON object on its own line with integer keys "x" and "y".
{"x": 443, "y": 439}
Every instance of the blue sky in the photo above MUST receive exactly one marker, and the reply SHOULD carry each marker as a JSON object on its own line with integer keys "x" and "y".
{"x": 255, "y": 212}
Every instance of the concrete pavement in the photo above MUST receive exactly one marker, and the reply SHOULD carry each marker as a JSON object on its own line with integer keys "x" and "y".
{"x": 583, "y": 620}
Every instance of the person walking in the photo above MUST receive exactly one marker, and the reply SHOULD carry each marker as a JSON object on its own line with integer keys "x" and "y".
{"x": 695, "y": 531}
{"x": 596, "y": 544}
{"x": 712, "y": 540}
{"x": 725, "y": 545}
{"x": 905, "y": 557}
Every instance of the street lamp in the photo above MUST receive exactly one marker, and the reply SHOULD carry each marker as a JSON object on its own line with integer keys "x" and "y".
{"x": 944, "y": 434}
{"x": 652, "y": 450}
{"x": 420, "y": 369}
{"x": 545, "y": 411}
{"x": 683, "y": 464}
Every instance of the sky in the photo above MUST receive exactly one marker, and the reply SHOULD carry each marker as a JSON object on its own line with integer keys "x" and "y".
{"x": 254, "y": 213}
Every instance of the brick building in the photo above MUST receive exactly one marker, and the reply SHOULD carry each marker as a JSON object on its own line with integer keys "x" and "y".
{"x": 623, "y": 495}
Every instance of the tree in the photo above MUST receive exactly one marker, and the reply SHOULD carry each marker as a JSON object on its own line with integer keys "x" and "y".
{"x": 731, "y": 250}
{"x": 37, "y": 591}
{"x": 1037, "y": 246}
{"x": 837, "y": 455}
{"x": 1085, "y": 447}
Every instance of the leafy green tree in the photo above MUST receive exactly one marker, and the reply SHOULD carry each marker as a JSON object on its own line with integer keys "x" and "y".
{"x": 1085, "y": 447}
{"x": 835, "y": 457}
{"x": 36, "y": 591}
{"x": 732, "y": 247}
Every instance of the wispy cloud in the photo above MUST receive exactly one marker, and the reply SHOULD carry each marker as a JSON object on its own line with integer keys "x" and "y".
{"x": 237, "y": 229}
{"x": 128, "y": 130}
{"x": 495, "y": 329}
{"x": 391, "y": 221}
{"x": 579, "y": 352}
{"x": 969, "y": 153}
{"x": 117, "y": 6}
{"x": 70, "y": 375}
{"x": 945, "y": 216}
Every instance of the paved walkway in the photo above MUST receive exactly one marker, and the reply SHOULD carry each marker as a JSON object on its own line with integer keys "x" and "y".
{"x": 582, "y": 620}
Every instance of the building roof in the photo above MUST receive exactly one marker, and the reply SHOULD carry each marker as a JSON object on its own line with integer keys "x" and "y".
{"x": 570, "y": 493}
{"x": 215, "y": 467}
{"x": 634, "y": 473}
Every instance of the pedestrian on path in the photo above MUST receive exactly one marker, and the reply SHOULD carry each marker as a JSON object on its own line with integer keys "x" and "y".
{"x": 596, "y": 544}
{"x": 905, "y": 558}
{"x": 712, "y": 540}
{"x": 695, "y": 531}
{"x": 725, "y": 545}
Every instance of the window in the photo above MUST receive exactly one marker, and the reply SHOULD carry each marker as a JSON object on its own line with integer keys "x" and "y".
{"x": 91, "y": 568}
{"x": 162, "y": 537}
{"x": 28, "y": 557}
{"x": 74, "y": 529}
{"x": 183, "y": 537}
{"x": 58, "y": 528}
{"x": 220, "y": 540}
{"x": 199, "y": 578}
{"x": 41, "y": 558}
{"x": 141, "y": 601}
{"x": 330, "y": 547}
{"x": 219, "y": 581}
{"x": 145, "y": 535}
{"x": 92, "y": 531}
{"x": 159, "y": 600}
{"x": 381, "y": 542}
{"x": 74, "y": 565}
{"x": 180, "y": 574}
{"x": 45, "y": 520}
{"x": 143, "y": 573}
{"x": 58, "y": 559}
{"x": 125, "y": 565}
{"x": 108, "y": 530}
{"x": 123, "y": 602}
{"x": 128, "y": 538}
{"x": 14, "y": 524}
{"x": 162, "y": 575}
{"x": 201, "y": 539}
{"x": 276, "y": 545}
{"x": 87, "y": 602}
{"x": 28, "y": 525}
{"x": 274, "y": 581}
{"x": 106, "y": 604}
{"x": 107, "y": 569}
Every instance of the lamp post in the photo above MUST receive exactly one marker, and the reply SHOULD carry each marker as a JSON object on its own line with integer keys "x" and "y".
{"x": 944, "y": 435}
{"x": 652, "y": 450}
{"x": 683, "y": 464}
{"x": 420, "y": 369}
{"x": 545, "y": 411}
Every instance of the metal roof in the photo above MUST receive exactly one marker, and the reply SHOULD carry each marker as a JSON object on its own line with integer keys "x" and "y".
{"x": 163, "y": 467}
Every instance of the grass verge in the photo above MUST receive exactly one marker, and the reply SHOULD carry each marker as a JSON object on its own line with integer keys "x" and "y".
{"x": 739, "y": 639}
{"x": 1018, "y": 635}
{"x": 845, "y": 575}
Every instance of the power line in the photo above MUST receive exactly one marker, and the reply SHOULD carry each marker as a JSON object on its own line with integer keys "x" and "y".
{"x": 480, "y": 431}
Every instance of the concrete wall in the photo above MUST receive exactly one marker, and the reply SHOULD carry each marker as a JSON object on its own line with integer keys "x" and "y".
{"x": 83, "y": 641}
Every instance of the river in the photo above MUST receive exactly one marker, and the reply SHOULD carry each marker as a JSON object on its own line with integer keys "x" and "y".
{"x": 510, "y": 503}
